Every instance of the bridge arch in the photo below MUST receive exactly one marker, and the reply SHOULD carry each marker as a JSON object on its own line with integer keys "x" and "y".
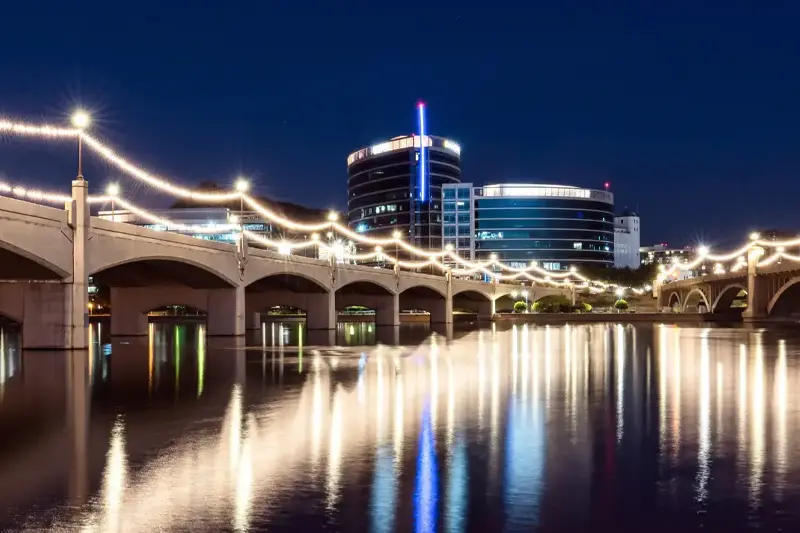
{"x": 785, "y": 301}
{"x": 19, "y": 263}
{"x": 727, "y": 296}
{"x": 424, "y": 297}
{"x": 475, "y": 301}
{"x": 693, "y": 298}
{"x": 674, "y": 301}
{"x": 152, "y": 270}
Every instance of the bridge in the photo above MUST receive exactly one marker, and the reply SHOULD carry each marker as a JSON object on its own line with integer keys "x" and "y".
{"x": 47, "y": 255}
{"x": 771, "y": 292}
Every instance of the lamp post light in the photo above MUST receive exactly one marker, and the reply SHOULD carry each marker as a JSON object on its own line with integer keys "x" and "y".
{"x": 242, "y": 186}
{"x": 81, "y": 120}
{"x": 396, "y": 237}
{"x": 113, "y": 192}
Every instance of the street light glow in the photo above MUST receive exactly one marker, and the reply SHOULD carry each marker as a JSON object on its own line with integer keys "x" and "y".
{"x": 81, "y": 119}
{"x": 112, "y": 189}
{"x": 333, "y": 216}
{"x": 755, "y": 236}
{"x": 396, "y": 234}
{"x": 242, "y": 185}
{"x": 702, "y": 251}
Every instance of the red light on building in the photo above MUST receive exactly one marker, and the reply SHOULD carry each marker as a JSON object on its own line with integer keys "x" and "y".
{"x": 607, "y": 185}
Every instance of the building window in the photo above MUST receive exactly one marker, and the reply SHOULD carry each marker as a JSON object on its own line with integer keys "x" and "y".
{"x": 577, "y": 245}
{"x": 448, "y": 193}
{"x": 463, "y": 192}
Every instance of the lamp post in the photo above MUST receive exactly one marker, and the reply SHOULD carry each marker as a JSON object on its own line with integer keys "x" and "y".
{"x": 525, "y": 294}
{"x": 242, "y": 186}
{"x": 396, "y": 237}
{"x": 113, "y": 192}
{"x": 81, "y": 120}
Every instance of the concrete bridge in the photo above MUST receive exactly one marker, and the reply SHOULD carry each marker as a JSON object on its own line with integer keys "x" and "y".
{"x": 47, "y": 255}
{"x": 771, "y": 292}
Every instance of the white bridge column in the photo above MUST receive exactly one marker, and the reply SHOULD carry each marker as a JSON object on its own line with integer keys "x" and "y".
{"x": 387, "y": 310}
{"x": 226, "y": 312}
{"x": 321, "y": 310}
{"x": 78, "y": 297}
{"x": 756, "y": 306}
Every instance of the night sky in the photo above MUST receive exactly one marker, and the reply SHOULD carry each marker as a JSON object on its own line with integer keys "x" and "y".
{"x": 691, "y": 112}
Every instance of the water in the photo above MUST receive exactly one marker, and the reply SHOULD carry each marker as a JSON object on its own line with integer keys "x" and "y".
{"x": 573, "y": 428}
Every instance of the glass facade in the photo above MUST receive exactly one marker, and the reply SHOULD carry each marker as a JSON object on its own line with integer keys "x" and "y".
{"x": 556, "y": 226}
{"x": 385, "y": 188}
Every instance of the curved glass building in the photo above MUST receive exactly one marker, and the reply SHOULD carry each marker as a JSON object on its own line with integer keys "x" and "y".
{"x": 555, "y": 225}
{"x": 397, "y": 186}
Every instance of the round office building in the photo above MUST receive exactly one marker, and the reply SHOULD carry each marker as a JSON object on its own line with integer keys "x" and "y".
{"x": 555, "y": 225}
{"x": 396, "y": 186}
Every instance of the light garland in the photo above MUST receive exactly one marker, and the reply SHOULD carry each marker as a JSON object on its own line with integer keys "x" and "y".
{"x": 430, "y": 258}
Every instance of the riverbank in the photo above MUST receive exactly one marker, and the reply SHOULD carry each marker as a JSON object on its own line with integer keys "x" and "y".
{"x": 588, "y": 318}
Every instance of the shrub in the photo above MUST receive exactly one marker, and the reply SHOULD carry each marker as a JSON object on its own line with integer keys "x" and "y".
{"x": 555, "y": 303}
{"x": 586, "y": 307}
{"x": 621, "y": 305}
{"x": 520, "y": 307}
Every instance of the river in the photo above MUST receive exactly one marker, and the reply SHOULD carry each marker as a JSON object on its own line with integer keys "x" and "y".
{"x": 601, "y": 427}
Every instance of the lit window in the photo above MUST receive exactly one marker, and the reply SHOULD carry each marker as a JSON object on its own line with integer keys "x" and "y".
{"x": 577, "y": 245}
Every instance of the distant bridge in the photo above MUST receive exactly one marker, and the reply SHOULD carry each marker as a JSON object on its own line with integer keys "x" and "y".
{"x": 770, "y": 292}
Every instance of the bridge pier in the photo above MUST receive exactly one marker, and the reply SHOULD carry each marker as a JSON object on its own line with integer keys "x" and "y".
{"x": 387, "y": 310}
{"x": 78, "y": 295}
{"x": 131, "y": 305}
{"x": 756, "y": 295}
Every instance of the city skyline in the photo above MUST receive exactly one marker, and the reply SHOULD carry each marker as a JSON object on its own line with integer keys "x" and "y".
{"x": 683, "y": 167}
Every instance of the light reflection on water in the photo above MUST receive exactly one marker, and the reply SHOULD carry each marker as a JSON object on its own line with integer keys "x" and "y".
{"x": 558, "y": 428}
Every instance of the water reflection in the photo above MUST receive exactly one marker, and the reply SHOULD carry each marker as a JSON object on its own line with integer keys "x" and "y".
{"x": 552, "y": 428}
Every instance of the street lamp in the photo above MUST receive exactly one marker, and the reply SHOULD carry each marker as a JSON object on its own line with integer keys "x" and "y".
{"x": 113, "y": 191}
{"x": 333, "y": 216}
{"x": 525, "y": 295}
{"x": 81, "y": 120}
{"x": 242, "y": 186}
{"x": 396, "y": 237}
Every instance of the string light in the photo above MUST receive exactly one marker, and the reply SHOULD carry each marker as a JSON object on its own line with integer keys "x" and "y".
{"x": 431, "y": 258}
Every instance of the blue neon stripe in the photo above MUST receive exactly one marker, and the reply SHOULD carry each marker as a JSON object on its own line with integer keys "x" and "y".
{"x": 422, "y": 166}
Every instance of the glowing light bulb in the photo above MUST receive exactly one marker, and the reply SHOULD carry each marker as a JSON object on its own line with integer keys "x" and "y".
{"x": 620, "y": 292}
{"x": 242, "y": 185}
{"x": 112, "y": 190}
{"x": 81, "y": 119}
{"x": 781, "y": 249}
{"x": 396, "y": 234}
{"x": 448, "y": 247}
{"x": 493, "y": 257}
{"x": 378, "y": 249}
{"x": 233, "y": 219}
{"x": 315, "y": 237}
{"x": 755, "y": 236}
{"x": 284, "y": 249}
{"x": 703, "y": 251}
{"x": 333, "y": 216}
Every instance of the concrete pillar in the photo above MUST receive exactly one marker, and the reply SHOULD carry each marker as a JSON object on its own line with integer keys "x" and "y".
{"x": 448, "y": 300}
{"x": 225, "y": 312}
{"x": 78, "y": 311}
{"x": 756, "y": 308}
{"x": 657, "y": 284}
{"x": 387, "y": 310}
{"x": 441, "y": 313}
{"x": 572, "y": 294}
{"x": 46, "y": 318}
{"x": 486, "y": 310}
{"x": 321, "y": 310}
{"x": 252, "y": 321}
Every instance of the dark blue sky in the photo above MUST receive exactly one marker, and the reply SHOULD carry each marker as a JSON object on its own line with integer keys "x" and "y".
{"x": 691, "y": 112}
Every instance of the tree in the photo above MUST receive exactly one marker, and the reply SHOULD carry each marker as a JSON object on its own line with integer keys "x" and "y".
{"x": 621, "y": 305}
{"x": 520, "y": 307}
